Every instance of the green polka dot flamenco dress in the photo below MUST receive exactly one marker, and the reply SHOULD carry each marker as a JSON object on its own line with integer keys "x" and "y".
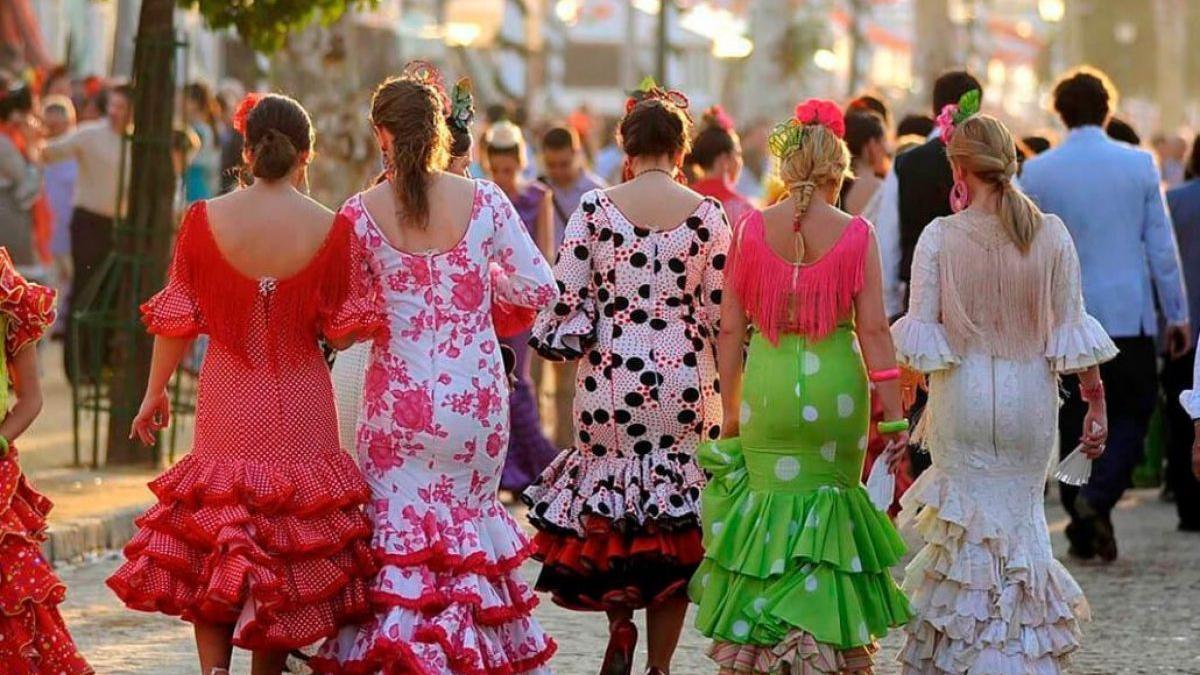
{"x": 796, "y": 575}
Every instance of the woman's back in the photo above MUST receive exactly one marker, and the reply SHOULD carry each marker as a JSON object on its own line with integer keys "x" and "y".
{"x": 451, "y": 207}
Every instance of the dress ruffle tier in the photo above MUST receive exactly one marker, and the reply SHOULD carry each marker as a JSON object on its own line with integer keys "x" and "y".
{"x": 986, "y": 605}
{"x": 279, "y": 549}
{"x": 796, "y": 579}
{"x": 661, "y": 487}
{"x": 448, "y": 599}
{"x": 33, "y": 638}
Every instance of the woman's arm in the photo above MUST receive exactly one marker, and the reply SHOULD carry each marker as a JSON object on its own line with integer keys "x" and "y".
{"x": 545, "y": 226}
{"x": 875, "y": 335}
{"x": 155, "y": 412}
{"x": 27, "y": 386}
{"x": 731, "y": 341}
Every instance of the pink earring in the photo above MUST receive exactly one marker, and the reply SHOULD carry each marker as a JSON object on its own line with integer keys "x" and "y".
{"x": 960, "y": 198}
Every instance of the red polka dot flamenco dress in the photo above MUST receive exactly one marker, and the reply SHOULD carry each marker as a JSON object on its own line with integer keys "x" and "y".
{"x": 33, "y": 639}
{"x": 261, "y": 525}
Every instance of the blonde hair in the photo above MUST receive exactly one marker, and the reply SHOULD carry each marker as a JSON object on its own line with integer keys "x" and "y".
{"x": 983, "y": 147}
{"x": 821, "y": 159}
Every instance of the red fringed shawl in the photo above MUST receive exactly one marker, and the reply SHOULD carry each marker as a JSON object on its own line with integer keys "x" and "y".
{"x": 808, "y": 299}
{"x": 318, "y": 297}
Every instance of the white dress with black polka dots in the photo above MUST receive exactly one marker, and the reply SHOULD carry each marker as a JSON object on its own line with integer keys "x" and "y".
{"x": 639, "y": 309}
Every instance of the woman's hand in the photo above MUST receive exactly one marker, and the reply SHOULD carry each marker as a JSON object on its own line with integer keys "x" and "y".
{"x": 731, "y": 426}
{"x": 1095, "y": 430}
{"x": 896, "y": 452}
{"x": 154, "y": 416}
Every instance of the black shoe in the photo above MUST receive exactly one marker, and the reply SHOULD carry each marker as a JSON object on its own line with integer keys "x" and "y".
{"x": 1082, "y": 538}
{"x": 1189, "y": 527}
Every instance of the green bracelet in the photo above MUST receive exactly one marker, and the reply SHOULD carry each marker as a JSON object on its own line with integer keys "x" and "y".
{"x": 3, "y": 447}
{"x": 893, "y": 427}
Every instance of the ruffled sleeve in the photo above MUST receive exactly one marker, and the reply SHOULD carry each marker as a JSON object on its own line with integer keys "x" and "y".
{"x": 352, "y": 301}
{"x": 28, "y": 308}
{"x": 175, "y": 310}
{"x": 920, "y": 337}
{"x": 564, "y": 331}
{"x": 1077, "y": 341}
{"x": 720, "y": 236}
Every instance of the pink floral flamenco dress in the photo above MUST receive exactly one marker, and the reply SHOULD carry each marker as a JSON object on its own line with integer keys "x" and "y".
{"x": 261, "y": 525}
{"x": 432, "y": 435}
{"x": 33, "y": 638}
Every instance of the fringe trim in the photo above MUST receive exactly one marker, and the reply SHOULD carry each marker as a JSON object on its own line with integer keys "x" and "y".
{"x": 781, "y": 297}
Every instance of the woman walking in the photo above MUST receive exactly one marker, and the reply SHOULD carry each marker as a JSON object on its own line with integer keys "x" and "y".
{"x": 996, "y": 316}
{"x": 796, "y": 572}
{"x": 640, "y": 271}
{"x": 529, "y": 451}
{"x": 433, "y": 427}
{"x": 258, "y": 537}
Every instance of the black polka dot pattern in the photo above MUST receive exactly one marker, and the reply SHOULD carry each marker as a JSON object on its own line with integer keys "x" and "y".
{"x": 647, "y": 304}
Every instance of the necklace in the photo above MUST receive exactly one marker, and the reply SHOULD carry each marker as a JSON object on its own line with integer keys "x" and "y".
{"x": 668, "y": 174}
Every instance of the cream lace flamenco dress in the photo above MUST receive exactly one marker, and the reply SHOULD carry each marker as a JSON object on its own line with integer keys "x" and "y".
{"x": 993, "y": 328}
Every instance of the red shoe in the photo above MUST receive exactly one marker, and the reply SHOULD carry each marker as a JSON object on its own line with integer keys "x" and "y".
{"x": 622, "y": 640}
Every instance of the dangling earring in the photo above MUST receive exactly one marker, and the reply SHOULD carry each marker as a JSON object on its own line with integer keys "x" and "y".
{"x": 960, "y": 197}
{"x": 627, "y": 171}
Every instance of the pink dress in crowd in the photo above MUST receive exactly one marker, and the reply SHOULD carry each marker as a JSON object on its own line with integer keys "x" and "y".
{"x": 432, "y": 437}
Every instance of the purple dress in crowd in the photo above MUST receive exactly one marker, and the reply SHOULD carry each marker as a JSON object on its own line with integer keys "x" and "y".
{"x": 529, "y": 451}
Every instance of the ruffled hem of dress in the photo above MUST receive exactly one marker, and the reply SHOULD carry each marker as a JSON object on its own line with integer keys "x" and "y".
{"x": 779, "y": 563}
{"x": 609, "y": 569}
{"x": 486, "y": 541}
{"x": 666, "y": 483}
{"x": 800, "y": 653}
{"x": 457, "y": 604}
{"x": 760, "y": 533}
{"x": 361, "y": 320}
{"x": 255, "y": 545}
{"x": 159, "y": 319}
{"x": 274, "y": 487}
{"x": 23, "y": 510}
{"x": 564, "y": 338}
{"x": 35, "y": 641}
{"x": 922, "y": 346}
{"x": 982, "y": 603}
{"x": 1078, "y": 346}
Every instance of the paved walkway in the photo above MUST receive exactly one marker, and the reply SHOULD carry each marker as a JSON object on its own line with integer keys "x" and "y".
{"x": 1144, "y": 606}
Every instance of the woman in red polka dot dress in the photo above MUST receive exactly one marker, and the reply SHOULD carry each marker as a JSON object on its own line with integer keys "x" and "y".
{"x": 33, "y": 638}
{"x": 259, "y": 537}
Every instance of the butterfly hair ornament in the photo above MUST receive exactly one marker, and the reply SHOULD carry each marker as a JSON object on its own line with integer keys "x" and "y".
{"x": 648, "y": 90}
{"x": 788, "y": 135}
{"x": 955, "y": 114}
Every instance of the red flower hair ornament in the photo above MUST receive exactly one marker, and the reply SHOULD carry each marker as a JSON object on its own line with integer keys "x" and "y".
{"x": 789, "y": 134}
{"x": 649, "y": 89}
{"x": 243, "y": 111}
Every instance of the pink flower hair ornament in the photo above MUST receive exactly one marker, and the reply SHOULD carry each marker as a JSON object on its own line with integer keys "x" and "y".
{"x": 789, "y": 134}
{"x": 649, "y": 89}
{"x": 717, "y": 117}
{"x": 424, "y": 72}
{"x": 955, "y": 114}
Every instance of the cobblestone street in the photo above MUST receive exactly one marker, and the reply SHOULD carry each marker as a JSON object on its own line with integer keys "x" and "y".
{"x": 1144, "y": 605}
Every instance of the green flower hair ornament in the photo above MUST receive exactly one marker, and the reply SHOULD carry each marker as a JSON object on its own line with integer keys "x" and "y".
{"x": 785, "y": 138}
{"x": 462, "y": 105}
{"x": 956, "y": 113}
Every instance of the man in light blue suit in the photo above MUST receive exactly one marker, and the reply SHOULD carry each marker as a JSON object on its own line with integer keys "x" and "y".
{"x": 1110, "y": 196}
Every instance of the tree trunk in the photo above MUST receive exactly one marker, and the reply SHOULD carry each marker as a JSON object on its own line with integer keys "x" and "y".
{"x": 143, "y": 238}
{"x": 934, "y": 44}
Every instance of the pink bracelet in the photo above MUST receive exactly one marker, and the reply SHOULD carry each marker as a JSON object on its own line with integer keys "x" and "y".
{"x": 884, "y": 375}
{"x": 1092, "y": 394}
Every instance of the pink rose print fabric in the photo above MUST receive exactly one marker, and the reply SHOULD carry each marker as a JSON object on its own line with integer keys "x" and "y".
{"x": 431, "y": 439}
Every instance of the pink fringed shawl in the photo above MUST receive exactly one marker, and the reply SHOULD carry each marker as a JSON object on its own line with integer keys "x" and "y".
{"x": 808, "y": 299}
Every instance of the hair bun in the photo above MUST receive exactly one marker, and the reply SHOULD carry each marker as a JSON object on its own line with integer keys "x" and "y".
{"x": 274, "y": 155}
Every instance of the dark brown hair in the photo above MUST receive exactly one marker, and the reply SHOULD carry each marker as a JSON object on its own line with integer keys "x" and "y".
{"x": 950, "y": 87}
{"x": 1084, "y": 97}
{"x": 561, "y": 138}
{"x": 278, "y": 131}
{"x": 862, "y": 127}
{"x": 655, "y": 127}
{"x": 713, "y": 141}
{"x": 413, "y": 114}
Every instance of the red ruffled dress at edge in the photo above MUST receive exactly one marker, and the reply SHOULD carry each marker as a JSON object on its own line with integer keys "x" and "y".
{"x": 261, "y": 525}
{"x": 33, "y": 639}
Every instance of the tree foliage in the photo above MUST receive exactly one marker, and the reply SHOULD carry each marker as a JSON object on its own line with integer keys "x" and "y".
{"x": 265, "y": 24}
